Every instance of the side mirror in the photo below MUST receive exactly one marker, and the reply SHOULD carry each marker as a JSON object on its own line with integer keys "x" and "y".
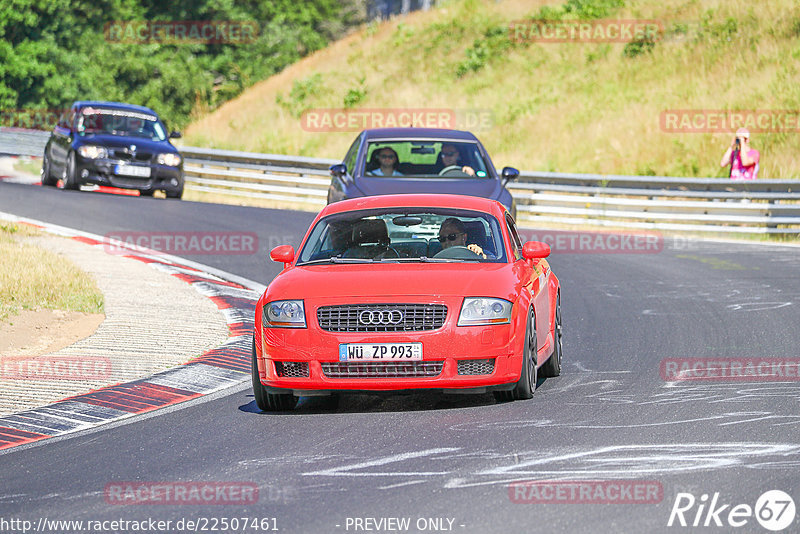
{"x": 338, "y": 170}
{"x": 175, "y": 135}
{"x": 510, "y": 173}
{"x": 283, "y": 254}
{"x": 535, "y": 249}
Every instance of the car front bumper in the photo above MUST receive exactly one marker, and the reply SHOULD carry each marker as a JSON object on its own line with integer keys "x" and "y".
{"x": 103, "y": 172}
{"x": 449, "y": 353}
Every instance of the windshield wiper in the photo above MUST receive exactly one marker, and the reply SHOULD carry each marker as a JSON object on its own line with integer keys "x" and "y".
{"x": 337, "y": 259}
{"x": 426, "y": 259}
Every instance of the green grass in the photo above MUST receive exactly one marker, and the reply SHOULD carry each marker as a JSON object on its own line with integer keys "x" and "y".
{"x": 571, "y": 107}
{"x": 33, "y": 278}
{"x": 30, "y": 165}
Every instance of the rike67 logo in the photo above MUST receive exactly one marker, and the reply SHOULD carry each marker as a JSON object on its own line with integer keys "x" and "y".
{"x": 774, "y": 510}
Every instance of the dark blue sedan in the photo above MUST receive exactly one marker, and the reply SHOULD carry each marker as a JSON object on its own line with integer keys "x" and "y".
{"x": 419, "y": 160}
{"x": 113, "y": 144}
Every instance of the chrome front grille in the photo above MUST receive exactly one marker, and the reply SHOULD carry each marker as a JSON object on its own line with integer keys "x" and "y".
{"x": 382, "y": 369}
{"x": 291, "y": 369}
{"x": 476, "y": 367}
{"x": 381, "y": 317}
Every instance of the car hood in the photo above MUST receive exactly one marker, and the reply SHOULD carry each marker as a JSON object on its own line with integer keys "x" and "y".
{"x": 477, "y": 187}
{"x": 120, "y": 141}
{"x": 349, "y": 281}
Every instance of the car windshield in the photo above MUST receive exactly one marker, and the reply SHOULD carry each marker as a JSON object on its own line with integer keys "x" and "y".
{"x": 435, "y": 235}
{"x": 425, "y": 158}
{"x": 120, "y": 122}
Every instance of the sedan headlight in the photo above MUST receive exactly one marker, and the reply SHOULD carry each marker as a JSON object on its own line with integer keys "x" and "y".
{"x": 285, "y": 314}
{"x": 483, "y": 311}
{"x": 170, "y": 159}
{"x": 92, "y": 152}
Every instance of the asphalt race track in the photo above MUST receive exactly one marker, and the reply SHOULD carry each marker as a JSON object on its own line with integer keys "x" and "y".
{"x": 446, "y": 463}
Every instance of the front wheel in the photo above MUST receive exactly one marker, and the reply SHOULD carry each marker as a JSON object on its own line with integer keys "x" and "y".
{"x": 68, "y": 178}
{"x": 526, "y": 385}
{"x": 269, "y": 402}
{"x": 552, "y": 367}
{"x": 178, "y": 193}
{"x": 47, "y": 171}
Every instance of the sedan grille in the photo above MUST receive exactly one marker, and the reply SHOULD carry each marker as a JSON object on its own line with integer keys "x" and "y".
{"x": 124, "y": 154}
{"x": 381, "y": 317}
{"x": 291, "y": 369}
{"x": 476, "y": 367}
{"x": 382, "y": 370}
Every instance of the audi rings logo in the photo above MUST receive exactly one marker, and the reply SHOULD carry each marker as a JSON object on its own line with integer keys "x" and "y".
{"x": 380, "y": 317}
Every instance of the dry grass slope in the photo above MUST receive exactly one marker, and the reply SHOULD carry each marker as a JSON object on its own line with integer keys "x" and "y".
{"x": 581, "y": 107}
{"x": 32, "y": 278}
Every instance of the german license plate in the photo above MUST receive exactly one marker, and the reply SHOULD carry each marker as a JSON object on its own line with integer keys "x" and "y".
{"x": 371, "y": 352}
{"x": 132, "y": 170}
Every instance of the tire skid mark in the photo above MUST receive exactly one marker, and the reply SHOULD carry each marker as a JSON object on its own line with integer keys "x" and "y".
{"x": 216, "y": 369}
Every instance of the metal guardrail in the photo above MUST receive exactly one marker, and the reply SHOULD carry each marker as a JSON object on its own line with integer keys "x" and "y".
{"x": 20, "y": 142}
{"x": 269, "y": 176}
{"x": 643, "y": 202}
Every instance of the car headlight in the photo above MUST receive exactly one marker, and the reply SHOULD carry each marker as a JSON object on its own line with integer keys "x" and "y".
{"x": 92, "y": 152}
{"x": 285, "y": 314}
{"x": 482, "y": 311}
{"x": 170, "y": 159}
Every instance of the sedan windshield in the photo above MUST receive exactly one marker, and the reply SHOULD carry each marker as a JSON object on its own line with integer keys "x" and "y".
{"x": 121, "y": 122}
{"x": 421, "y": 158}
{"x": 405, "y": 235}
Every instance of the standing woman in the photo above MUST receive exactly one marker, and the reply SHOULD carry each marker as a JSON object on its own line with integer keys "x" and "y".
{"x": 742, "y": 159}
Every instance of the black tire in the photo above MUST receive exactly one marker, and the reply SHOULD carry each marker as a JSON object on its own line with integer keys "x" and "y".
{"x": 68, "y": 178}
{"x": 178, "y": 194}
{"x": 146, "y": 192}
{"x": 552, "y": 367}
{"x": 47, "y": 172}
{"x": 526, "y": 385}
{"x": 269, "y": 402}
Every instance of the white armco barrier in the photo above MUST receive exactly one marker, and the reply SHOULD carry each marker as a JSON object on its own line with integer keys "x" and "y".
{"x": 715, "y": 205}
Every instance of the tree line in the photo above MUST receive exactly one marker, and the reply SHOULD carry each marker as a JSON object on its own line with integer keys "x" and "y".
{"x": 180, "y": 58}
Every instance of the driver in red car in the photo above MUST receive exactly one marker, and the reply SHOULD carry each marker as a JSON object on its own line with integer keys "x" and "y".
{"x": 452, "y": 157}
{"x": 453, "y": 233}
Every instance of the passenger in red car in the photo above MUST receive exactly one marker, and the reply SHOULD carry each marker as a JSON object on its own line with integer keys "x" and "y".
{"x": 453, "y": 233}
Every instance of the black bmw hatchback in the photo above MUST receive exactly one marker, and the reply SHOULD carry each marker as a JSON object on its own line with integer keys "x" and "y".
{"x": 113, "y": 144}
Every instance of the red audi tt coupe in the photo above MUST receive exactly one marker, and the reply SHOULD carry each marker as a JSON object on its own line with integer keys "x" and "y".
{"x": 408, "y": 292}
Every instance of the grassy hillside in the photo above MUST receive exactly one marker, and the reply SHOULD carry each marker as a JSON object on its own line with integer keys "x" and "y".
{"x": 581, "y": 107}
